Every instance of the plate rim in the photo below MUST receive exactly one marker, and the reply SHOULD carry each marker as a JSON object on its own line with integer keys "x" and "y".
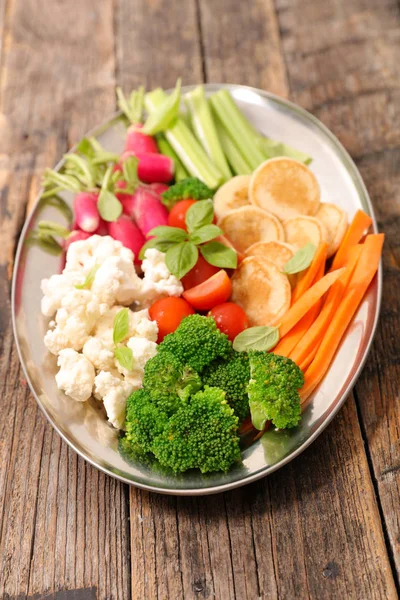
{"x": 267, "y": 470}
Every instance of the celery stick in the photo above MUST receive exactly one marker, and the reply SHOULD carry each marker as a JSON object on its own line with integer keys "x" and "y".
{"x": 272, "y": 149}
{"x": 238, "y": 127}
{"x": 166, "y": 148}
{"x": 204, "y": 128}
{"x": 239, "y": 165}
{"x": 186, "y": 145}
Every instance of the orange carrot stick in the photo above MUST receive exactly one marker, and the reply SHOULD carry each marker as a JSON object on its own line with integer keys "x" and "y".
{"x": 291, "y": 339}
{"x": 309, "y": 358}
{"x": 363, "y": 274}
{"x": 306, "y": 301}
{"x": 308, "y": 277}
{"x": 334, "y": 296}
{"x": 359, "y": 225}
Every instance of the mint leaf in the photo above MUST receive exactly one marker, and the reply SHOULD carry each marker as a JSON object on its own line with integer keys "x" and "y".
{"x": 256, "y": 338}
{"x": 219, "y": 255}
{"x": 300, "y": 260}
{"x": 199, "y": 214}
{"x": 121, "y": 325}
{"x": 87, "y": 284}
{"x": 160, "y": 119}
{"x": 168, "y": 234}
{"x": 110, "y": 208}
{"x": 205, "y": 234}
{"x": 124, "y": 356}
{"x": 180, "y": 258}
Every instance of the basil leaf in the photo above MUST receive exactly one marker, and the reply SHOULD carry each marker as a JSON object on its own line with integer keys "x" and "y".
{"x": 51, "y": 228}
{"x": 300, "y": 260}
{"x": 160, "y": 119}
{"x": 256, "y": 338}
{"x": 160, "y": 245}
{"x": 199, "y": 214}
{"x": 121, "y": 325}
{"x": 219, "y": 255}
{"x": 205, "y": 234}
{"x": 110, "y": 208}
{"x": 258, "y": 415}
{"x": 168, "y": 234}
{"x": 87, "y": 284}
{"x": 124, "y": 356}
{"x": 180, "y": 258}
{"x": 129, "y": 169}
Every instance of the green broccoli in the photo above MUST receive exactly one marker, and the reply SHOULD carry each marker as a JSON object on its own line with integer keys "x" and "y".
{"x": 197, "y": 342}
{"x": 232, "y": 376}
{"x": 144, "y": 421}
{"x": 274, "y": 390}
{"x": 169, "y": 382}
{"x": 202, "y": 434}
{"x": 191, "y": 187}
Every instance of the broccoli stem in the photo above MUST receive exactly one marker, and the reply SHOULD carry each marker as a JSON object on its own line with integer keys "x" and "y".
{"x": 204, "y": 128}
{"x": 166, "y": 149}
{"x": 186, "y": 145}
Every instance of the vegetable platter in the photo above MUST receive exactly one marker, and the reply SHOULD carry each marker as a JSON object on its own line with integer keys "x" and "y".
{"x": 247, "y": 298}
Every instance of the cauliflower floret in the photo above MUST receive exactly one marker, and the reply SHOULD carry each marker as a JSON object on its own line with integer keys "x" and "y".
{"x": 76, "y": 375}
{"x": 142, "y": 351}
{"x": 158, "y": 281}
{"x": 116, "y": 281}
{"x": 84, "y": 254}
{"x": 114, "y": 391}
{"x": 55, "y": 289}
{"x": 143, "y": 326}
{"x": 139, "y": 324}
{"x": 99, "y": 353}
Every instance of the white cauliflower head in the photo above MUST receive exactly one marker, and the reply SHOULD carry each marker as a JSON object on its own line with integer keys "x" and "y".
{"x": 55, "y": 288}
{"x": 116, "y": 281}
{"x": 85, "y": 254}
{"x": 114, "y": 391}
{"x": 142, "y": 351}
{"x": 76, "y": 375}
{"x": 158, "y": 281}
{"x": 100, "y": 354}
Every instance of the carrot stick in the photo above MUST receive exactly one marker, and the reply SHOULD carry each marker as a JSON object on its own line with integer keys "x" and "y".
{"x": 334, "y": 296}
{"x": 291, "y": 339}
{"x": 309, "y": 358}
{"x": 309, "y": 276}
{"x": 306, "y": 301}
{"x": 363, "y": 274}
{"x": 359, "y": 225}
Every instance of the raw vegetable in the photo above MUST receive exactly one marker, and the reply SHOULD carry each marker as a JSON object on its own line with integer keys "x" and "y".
{"x": 159, "y": 188}
{"x": 230, "y": 319}
{"x": 309, "y": 277}
{"x": 237, "y": 161}
{"x": 210, "y": 293}
{"x": 155, "y": 168}
{"x": 165, "y": 113}
{"x": 301, "y": 260}
{"x": 148, "y": 210}
{"x": 168, "y": 314}
{"x": 289, "y": 341}
{"x": 359, "y": 225}
{"x": 136, "y": 140}
{"x": 75, "y": 236}
{"x": 127, "y": 232}
{"x": 177, "y": 215}
{"x": 86, "y": 212}
{"x": 166, "y": 149}
{"x": 201, "y": 271}
{"x": 190, "y": 188}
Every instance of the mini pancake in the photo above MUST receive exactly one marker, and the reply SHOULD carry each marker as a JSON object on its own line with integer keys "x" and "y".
{"x": 233, "y": 194}
{"x": 262, "y": 290}
{"x": 300, "y": 231}
{"x": 285, "y": 187}
{"x": 335, "y": 221}
{"x": 278, "y": 252}
{"x": 247, "y": 225}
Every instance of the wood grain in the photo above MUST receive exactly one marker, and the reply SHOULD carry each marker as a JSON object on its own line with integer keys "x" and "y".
{"x": 64, "y": 525}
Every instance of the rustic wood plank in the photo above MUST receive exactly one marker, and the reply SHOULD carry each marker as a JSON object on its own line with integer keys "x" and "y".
{"x": 64, "y": 525}
{"x": 351, "y": 80}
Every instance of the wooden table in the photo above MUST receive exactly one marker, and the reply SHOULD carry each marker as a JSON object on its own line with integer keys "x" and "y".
{"x": 325, "y": 526}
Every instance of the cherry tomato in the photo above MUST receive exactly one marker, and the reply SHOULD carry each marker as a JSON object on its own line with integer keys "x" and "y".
{"x": 201, "y": 271}
{"x": 176, "y": 217}
{"x": 230, "y": 319}
{"x": 168, "y": 313}
{"x": 210, "y": 293}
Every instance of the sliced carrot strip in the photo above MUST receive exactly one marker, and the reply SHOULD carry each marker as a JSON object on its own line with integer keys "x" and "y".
{"x": 309, "y": 276}
{"x": 291, "y": 339}
{"x": 359, "y": 225}
{"x": 334, "y": 296}
{"x": 308, "y": 360}
{"x": 306, "y": 301}
{"x": 363, "y": 274}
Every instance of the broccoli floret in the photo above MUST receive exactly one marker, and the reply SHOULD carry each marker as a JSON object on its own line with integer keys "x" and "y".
{"x": 144, "y": 421}
{"x": 197, "y": 342}
{"x": 231, "y": 375}
{"x": 169, "y": 382}
{"x": 202, "y": 434}
{"x": 191, "y": 187}
{"x": 274, "y": 390}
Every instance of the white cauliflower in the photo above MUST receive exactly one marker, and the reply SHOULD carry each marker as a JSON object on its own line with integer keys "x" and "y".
{"x": 139, "y": 324}
{"x": 84, "y": 254}
{"x": 100, "y": 354}
{"x": 158, "y": 281}
{"x": 114, "y": 391}
{"x": 76, "y": 375}
{"x": 116, "y": 281}
{"x": 55, "y": 288}
{"x": 142, "y": 351}
{"x": 143, "y": 326}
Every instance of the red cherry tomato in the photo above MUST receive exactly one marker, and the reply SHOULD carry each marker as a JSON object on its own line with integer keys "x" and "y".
{"x": 230, "y": 319}
{"x": 210, "y": 293}
{"x": 201, "y": 271}
{"x": 176, "y": 217}
{"x": 168, "y": 313}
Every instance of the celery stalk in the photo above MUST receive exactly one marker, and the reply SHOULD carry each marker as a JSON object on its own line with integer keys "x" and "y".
{"x": 186, "y": 145}
{"x": 272, "y": 149}
{"x": 236, "y": 160}
{"x": 166, "y": 148}
{"x": 204, "y": 128}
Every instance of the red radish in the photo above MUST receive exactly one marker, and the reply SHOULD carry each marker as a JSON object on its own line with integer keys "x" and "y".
{"x": 86, "y": 213}
{"x": 148, "y": 210}
{"x": 139, "y": 142}
{"x": 102, "y": 228}
{"x": 126, "y": 231}
{"x": 154, "y": 168}
{"x": 159, "y": 188}
{"x": 76, "y": 236}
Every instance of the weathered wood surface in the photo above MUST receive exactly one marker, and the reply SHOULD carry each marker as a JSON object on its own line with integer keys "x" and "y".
{"x": 325, "y": 526}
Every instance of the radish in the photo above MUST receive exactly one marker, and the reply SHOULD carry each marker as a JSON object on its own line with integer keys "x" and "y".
{"x": 86, "y": 214}
{"x": 148, "y": 210}
{"x": 102, "y": 228}
{"x": 139, "y": 142}
{"x": 125, "y": 231}
{"x": 76, "y": 236}
{"x": 159, "y": 188}
{"x": 154, "y": 168}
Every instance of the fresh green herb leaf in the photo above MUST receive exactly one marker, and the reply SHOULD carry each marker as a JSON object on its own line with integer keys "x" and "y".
{"x": 163, "y": 115}
{"x": 129, "y": 168}
{"x": 160, "y": 245}
{"x": 110, "y": 208}
{"x": 44, "y": 242}
{"x": 85, "y": 148}
{"x": 121, "y": 325}
{"x": 219, "y": 255}
{"x": 199, "y": 214}
{"x": 300, "y": 260}
{"x": 180, "y": 258}
{"x": 205, "y": 234}
{"x": 168, "y": 234}
{"x": 87, "y": 284}
{"x": 124, "y": 356}
{"x": 256, "y": 338}
{"x": 51, "y": 228}
{"x": 133, "y": 107}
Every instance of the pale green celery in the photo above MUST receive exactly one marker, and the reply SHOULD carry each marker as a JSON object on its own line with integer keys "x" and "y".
{"x": 272, "y": 149}
{"x": 165, "y": 113}
{"x": 166, "y": 148}
{"x": 204, "y": 128}
{"x": 236, "y": 160}
{"x": 186, "y": 145}
{"x": 133, "y": 107}
{"x": 237, "y": 126}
